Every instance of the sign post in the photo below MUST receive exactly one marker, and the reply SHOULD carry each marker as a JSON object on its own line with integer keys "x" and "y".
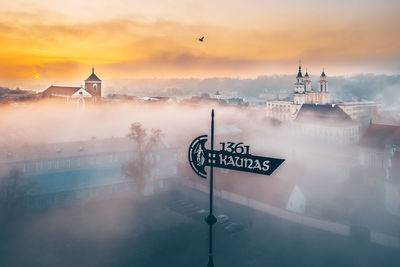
{"x": 233, "y": 156}
{"x": 210, "y": 219}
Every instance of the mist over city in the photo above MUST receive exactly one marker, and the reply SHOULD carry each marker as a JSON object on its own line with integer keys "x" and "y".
{"x": 220, "y": 133}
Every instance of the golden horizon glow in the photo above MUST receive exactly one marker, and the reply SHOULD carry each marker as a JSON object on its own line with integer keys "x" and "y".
{"x": 129, "y": 39}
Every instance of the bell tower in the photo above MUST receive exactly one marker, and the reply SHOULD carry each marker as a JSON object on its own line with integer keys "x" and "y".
{"x": 307, "y": 82}
{"x": 93, "y": 86}
{"x": 299, "y": 88}
{"x": 323, "y": 83}
{"x": 323, "y": 94}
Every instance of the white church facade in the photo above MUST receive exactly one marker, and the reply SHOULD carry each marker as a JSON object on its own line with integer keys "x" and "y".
{"x": 303, "y": 94}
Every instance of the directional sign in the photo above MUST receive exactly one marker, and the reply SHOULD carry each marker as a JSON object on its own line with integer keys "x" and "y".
{"x": 234, "y": 156}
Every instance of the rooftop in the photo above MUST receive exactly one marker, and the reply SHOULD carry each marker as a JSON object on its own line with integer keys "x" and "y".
{"x": 330, "y": 115}
{"x": 93, "y": 77}
{"x": 61, "y": 90}
{"x": 378, "y": 136}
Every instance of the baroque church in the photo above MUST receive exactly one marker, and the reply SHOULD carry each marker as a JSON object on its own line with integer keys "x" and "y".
{"x": 92, "y": 90}
{"x": 303, "y": 93}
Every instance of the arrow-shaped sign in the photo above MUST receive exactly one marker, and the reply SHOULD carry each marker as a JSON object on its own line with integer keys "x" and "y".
{"x": 234, "y": 156}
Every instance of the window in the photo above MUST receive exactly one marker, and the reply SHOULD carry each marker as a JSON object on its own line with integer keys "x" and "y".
{"x": 95, "y": 87}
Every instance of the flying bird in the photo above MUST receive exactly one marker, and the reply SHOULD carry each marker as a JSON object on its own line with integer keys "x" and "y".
{"x": 201, "y": 39}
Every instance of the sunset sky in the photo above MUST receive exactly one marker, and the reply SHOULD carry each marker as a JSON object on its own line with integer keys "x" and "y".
{"x": 48, "y": 41}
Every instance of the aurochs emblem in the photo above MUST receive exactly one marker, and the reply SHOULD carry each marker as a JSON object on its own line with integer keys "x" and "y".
{"x": 197, "y": 155}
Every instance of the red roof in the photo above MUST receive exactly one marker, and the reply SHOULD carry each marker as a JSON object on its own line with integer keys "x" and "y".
{"x": 330, "y": 115}
{"x": 60, "y": 90}
{"x": 380, "y": 135}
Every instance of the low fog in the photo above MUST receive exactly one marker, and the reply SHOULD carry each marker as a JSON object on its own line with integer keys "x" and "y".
{"x": 129, "y": 229}
{"x": 381, "y": 88}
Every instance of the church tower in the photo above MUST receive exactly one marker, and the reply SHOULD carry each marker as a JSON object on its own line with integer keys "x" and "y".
{"x": 323, "y": 83}
{"x": 323, "y": 94}
{"x": 307, "y": 82}
{"x": 93, "y": 86}
{"x": 299, "y": 88}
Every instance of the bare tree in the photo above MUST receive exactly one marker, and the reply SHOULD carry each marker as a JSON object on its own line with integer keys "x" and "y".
{"x": 137, "y": 133}
{"x": 14, "y": 188}
{"x": 139, "y": 168}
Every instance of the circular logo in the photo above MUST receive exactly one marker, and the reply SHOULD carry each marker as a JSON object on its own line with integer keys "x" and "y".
{"x": 198, "y": 156}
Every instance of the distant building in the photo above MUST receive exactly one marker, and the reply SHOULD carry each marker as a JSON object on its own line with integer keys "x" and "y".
{"x": 91, "y": 90}
{"x": 219, "y": 98}
{"x": 217, "y": 95}
{"x": 380, "y": 156}
{"x": 8, "y": 95}
{"x": 362, "y": 112}
{"x": 375, "y": 142}
{"x": 223, "y": 98}
{"x": 346, "y": 116}
{"x": 282, "y": 110}
{"x": 68, "y": 172}
{"x": 235, "y": 101}
{"x": 327, "y": 123}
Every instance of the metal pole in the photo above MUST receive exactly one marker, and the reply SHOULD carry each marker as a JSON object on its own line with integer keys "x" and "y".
{"x": 210, "y": 220}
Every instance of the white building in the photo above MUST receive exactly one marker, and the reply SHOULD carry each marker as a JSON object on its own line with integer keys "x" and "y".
{"x": 362, "y": 112}
{"x": 326, "y": 123}
{"x": 282, "y": 110}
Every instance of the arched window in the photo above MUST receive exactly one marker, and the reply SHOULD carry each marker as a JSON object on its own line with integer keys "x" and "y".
{"x": 95, "y": 87}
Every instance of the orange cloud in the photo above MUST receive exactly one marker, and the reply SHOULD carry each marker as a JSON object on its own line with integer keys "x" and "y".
{"x": 125, "y": 47}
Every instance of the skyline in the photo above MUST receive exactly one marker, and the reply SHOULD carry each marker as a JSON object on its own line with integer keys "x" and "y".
{"x": 41, "y": 43}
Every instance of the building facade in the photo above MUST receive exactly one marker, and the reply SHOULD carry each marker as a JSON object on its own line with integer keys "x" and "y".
{"x": 74, "y": 171}
{"x": 282, "y": 110}
{"x": 380, "y": 157}
{"x": 326, "y": 123}
{"x": 364, "y": 113}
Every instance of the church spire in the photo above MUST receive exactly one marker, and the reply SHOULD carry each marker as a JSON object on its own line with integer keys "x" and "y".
{"x": 323, "y": 73}
{"x": 299, "y": 75}
{"x": 306, "y": 75}
{"x": 92, "y": 70}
